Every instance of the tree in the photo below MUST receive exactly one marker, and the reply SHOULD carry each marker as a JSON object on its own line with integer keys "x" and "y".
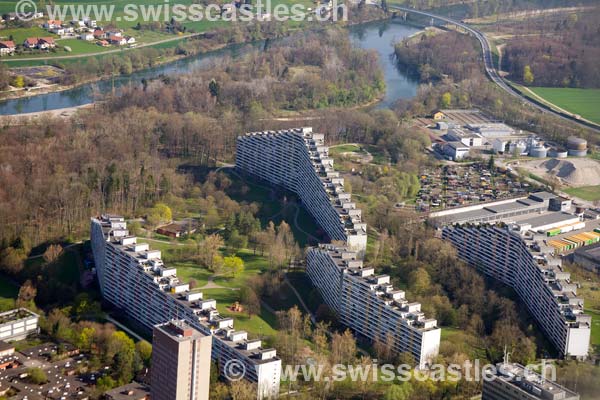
{"x": 208, "y": 252}
{"x": 527, "y": 75}
{"x": 193, "y": 283}
{"x": 250, "y": 301}
{"x": 18, "y": 81}
{"x": 242, "y": 390}
{"x": 446, "y": 100}
{"x": 214, "y": 88}
{"x": 52, "y": 253}
{"x": 12, "y": 259}
{"x": 144, "y": 349}
{"x": 106, "y": 382}
{"x": 121, "y": 350}
{"x": 343, "y": 348}
{"x": 398, "y": 392}
{"x": 37, "y": 376}
{"x": 233, "y": 266}
{"x": 27, "y": 292}
{"x": 420, "y": 281}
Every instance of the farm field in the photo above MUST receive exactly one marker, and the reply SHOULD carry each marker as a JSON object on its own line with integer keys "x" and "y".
{"x": 590, "y": 193}
{"x": 585, "y": 102}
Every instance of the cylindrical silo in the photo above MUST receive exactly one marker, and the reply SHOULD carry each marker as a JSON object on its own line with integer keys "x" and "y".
{"x": 575, "y": 143}
{"x": 538, "y": 152}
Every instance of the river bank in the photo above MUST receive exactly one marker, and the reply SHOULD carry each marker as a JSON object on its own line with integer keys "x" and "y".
{"x": 206, "y": 48}
{"x": 372, "y": 34}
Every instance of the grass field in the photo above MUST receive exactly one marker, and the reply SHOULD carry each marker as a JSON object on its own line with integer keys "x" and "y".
{"x": 589, "y": 193}
{"x": 344, "y": 148}
{"x": 595, "y": 326}
{"x": 20, "y": 34}
{"x": 585, "y": 102}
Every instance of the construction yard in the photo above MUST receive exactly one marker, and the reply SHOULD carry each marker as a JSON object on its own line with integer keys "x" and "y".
{"x": 573, "y": 172}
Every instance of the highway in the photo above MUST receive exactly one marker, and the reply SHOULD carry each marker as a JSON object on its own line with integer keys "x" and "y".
{"x": 491, "y": 71}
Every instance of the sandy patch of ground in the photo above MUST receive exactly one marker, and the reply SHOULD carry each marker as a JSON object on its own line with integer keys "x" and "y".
{"x": 571, "y": 171}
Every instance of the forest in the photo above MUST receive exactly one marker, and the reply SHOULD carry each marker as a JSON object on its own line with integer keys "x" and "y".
{"x": 122, "y": 154}
{"x": 565, "y": 54}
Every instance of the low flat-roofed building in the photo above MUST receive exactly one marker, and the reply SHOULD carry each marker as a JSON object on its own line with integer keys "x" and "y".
{"x": 131, "y": 391}
{"x": 455, "y": 150}
{"x": 467, "y": 138}
{"x": 495, "y": 211}
{"x": 176, "y": 229}
{"x": 17, "y": 324}
{"x": 491, "y": 130}
{"x": 6, "y": 349}
{"x": 548, "y": 221}
{"x": 509, "y": 381}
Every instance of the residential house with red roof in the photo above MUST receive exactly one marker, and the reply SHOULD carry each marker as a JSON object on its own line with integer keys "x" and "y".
{"x": 7, "y": 47}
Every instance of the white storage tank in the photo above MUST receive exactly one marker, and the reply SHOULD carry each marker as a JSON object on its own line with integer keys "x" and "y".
{"x": 538, "y": 152}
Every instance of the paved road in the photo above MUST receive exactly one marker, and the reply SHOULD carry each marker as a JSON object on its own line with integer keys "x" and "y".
{"x": 100, "y": 53}
{"x": 490, "y": 69}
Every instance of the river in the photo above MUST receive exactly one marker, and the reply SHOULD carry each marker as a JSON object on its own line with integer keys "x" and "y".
{"x": 378, "y": 36}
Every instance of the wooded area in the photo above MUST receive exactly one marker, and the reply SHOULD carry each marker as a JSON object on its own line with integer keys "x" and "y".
{"x": 560, "y": 54}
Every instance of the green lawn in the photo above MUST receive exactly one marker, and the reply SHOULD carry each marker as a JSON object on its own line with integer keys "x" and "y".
{"x": 188, "y": 270}
{"x": 81, "y": 46}
{"x": 257, "y": 325}
{"x": 595, "y": 326}
{"x": 590, "y": 193}
{"x": 344, "y": 148}
{"x": 20, "y": 34}
{"x": 254, "y": 264}
{"x": 585, "y": 102}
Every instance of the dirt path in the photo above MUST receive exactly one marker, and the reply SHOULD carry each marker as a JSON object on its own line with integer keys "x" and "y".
{"x": 212, "y": 285}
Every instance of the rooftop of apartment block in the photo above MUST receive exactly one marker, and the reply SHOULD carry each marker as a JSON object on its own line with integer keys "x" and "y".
{"x": 380, "y": 285}
{"x": 532, "y": 382}
{"x": 167, "y": 281}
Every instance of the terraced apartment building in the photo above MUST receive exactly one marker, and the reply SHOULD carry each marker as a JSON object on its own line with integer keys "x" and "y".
{"x": 369, "y": 305}
{"x": 298, "y": 160}
{"x": 134, "y": 279}
{"x": 519, "y": 252}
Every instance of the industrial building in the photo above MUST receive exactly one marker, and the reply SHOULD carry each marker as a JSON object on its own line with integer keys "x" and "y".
{"x": 510, "y": 381}
{"x": 180, "y": 362}
{"x": 18, "y": 324}
{"x": 298, "y": 160}
{"x": 467, "y": 138}
{"x": 455, "y": 150}
{"x": 523, "y": 251}
{"x": 369, "y": 305}
{"x": 502, "y": 209}
{"x": 134, "y": 279}
{"x": 491, "y": 130}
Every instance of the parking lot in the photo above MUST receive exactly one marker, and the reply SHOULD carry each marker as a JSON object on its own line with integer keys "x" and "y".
{"x": 66, "y": 372}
